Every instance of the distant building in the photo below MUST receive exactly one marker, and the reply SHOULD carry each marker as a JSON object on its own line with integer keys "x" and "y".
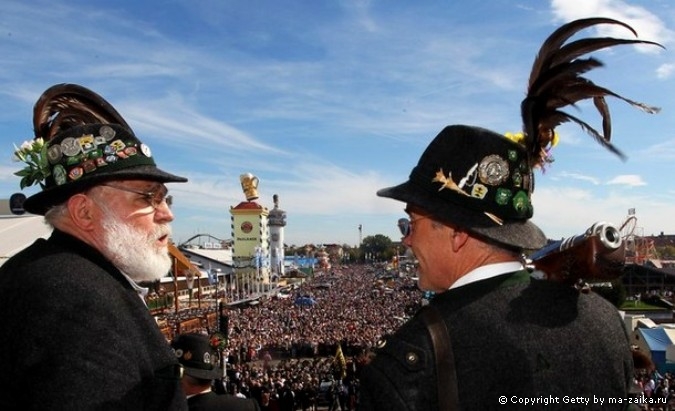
{"x": 277, "y": 222}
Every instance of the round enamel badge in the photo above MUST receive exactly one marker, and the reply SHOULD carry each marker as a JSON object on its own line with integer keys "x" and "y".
{"x": 107, "y": 132}
{"x": 493, "y": 170}
{"x": 146, "y": 150}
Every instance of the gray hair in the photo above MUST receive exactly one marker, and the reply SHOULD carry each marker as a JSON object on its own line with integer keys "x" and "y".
{"x": 55, "y": 214}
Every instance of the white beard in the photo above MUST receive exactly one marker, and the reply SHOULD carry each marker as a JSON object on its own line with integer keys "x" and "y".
{"x": 134, "y": 252}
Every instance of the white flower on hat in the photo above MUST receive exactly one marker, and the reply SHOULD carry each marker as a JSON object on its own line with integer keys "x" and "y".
{"x": 34, "y": 154}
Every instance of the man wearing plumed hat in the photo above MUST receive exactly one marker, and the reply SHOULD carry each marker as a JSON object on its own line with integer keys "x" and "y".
{"x": 494, "y": 335}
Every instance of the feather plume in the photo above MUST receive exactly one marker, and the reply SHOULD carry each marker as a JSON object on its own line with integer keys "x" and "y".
{"x": 556, "y": 81}
{"x": 64, "y": 106}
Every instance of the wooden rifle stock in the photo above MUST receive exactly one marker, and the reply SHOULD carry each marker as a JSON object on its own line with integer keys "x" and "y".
{"x": 596, "y": 255}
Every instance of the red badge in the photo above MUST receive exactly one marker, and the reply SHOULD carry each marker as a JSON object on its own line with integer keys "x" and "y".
{"x": 75, "y": 173}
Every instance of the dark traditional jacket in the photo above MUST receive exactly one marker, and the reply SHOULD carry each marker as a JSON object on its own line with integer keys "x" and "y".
{"x": 214, "y": 402}
{"x": 513, "y": 338}
{"x": 76, "y": 336}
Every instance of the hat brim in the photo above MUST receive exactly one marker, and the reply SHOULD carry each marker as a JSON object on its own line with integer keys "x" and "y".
{"x": 202, "y": 374}
{"x": 521, "y": 234}
{"x": 40, "y": 202}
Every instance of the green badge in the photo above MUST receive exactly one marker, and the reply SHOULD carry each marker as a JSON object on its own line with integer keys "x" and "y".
{"x": 73, "y": 160}
{"x": 502, "y": 196}
{"x": 98, "y": 153}
{"x": 59, "y": 174}
{"x": 521, "y": 203}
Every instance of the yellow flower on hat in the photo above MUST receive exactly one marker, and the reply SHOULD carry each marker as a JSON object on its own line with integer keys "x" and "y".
{"x": 519, "y": 138}
{"x": 516, "y": 137}
{"x": 556, "y": 138}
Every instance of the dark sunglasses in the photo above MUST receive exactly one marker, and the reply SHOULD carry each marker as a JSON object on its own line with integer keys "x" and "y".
{"x": 405, "y": 225}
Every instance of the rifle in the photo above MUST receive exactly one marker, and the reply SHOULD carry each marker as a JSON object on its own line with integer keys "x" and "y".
{"x": 599, "y": 254}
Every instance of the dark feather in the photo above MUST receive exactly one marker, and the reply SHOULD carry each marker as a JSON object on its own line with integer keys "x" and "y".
{"x": 563, "y": 33}
{"x": 557, "y": 81}
{"x": 68, "y": 105}
{"x": 580, "y": 47}
{"x": 594, "y": 133}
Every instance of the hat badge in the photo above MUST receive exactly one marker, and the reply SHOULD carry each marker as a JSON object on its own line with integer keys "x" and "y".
{"x": 447, "y": 182}
{"x": 493, "y": 170}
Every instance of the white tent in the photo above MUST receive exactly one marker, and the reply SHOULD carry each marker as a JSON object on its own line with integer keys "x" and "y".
{"x": 17, "y": 232}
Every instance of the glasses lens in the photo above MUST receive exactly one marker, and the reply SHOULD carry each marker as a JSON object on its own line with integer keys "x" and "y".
{"x": 404, "y": 226}
{"x": 159, "y": 196}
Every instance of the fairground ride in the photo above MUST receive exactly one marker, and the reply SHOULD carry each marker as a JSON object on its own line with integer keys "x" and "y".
{"x": 639, "y": 249}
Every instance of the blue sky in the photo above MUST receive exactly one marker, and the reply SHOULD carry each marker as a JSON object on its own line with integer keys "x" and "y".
{"x": 328, "y": 101}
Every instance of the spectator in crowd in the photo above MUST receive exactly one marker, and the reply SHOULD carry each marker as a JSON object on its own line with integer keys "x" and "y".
{"x": 287, "y": 397}
{"x": 201, "y": 367}
{"x": 76, "y": 333}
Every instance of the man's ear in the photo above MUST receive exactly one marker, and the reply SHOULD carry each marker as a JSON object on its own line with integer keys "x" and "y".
{"x": 458, "y": 238}
{"x": 81, "y": 210}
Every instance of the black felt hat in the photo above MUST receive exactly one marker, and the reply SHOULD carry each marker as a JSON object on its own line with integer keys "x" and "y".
{"x": 85, "y": 156}
{"x": 197, "y": 356}
{"x": 81, "y": 141}
{"x": 480, "y": 181}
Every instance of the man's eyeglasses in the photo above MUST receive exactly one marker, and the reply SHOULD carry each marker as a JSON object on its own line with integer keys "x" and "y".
{"x": 405, "y": 225}
{"x": 154, "y": 198}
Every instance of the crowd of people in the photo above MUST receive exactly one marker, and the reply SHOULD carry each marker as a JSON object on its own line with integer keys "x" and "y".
{"x": 656, "y": 390}
{"x": 280, "y": 351}
{"x": 353, "y": 308}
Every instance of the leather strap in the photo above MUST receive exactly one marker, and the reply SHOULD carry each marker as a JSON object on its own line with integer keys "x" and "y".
{"x": 448, "y": 395}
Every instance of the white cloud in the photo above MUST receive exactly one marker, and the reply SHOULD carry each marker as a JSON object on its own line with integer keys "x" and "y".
{"x": 566, "y": 211}
{"x": 575, "y": 176}
{"x": 648, "y": 25}
{"x": 664, "y": 150}
{"x": 631, "y": 180}
{"x": 665, "y": 71}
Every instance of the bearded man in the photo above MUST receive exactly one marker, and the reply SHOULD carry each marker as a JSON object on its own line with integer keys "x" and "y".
{"x": 76, "y": 333}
